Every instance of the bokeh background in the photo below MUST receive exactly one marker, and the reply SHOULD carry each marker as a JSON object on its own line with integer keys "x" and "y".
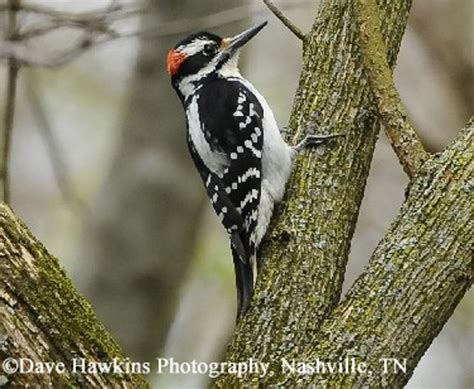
{"x": 101, "y": 175}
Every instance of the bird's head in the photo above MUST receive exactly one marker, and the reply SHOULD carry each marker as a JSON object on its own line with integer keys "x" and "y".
{"x": 204, "y": 53}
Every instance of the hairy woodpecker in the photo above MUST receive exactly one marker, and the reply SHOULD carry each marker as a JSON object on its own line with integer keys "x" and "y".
{"x": 235, "y": 144}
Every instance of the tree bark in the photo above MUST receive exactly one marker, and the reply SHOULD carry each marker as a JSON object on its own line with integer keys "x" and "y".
{"x": 305, "y": 253}
{"x": 415, "y": 279}
{"x": 44, "y": 319}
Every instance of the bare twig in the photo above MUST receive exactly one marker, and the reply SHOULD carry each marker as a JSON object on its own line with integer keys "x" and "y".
{"x": 100, "y": 20}
{"x": 57, "y": 157}
{"x": 99, "y": 32}
{"x": 100, "y": 26}
{"x": 402, "y": 136}
{"x": 24, "y": 57}
{"x": 113, "y": 10}
{"x": 12, "y": 73}
{"x": 287, "y": 22}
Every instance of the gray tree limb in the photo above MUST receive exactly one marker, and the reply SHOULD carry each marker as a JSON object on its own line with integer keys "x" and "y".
{"x": 44, "y": 319}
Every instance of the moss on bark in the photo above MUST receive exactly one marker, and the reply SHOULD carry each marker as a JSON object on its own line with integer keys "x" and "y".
{"x": 305, "y": 253}
{"x": 43, "y": 318}
{"x": 415, "y": 279}
{"x": 420, "y": 270}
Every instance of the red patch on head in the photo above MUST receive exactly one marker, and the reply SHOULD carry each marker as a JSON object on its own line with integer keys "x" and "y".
{"x": 174, "y": 61}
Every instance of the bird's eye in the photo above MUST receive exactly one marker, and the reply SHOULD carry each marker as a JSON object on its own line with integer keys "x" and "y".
{"x": 209, "y": 49}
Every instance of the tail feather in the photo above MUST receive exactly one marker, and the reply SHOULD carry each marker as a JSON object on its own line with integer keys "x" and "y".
{"x": 244, "y": 275}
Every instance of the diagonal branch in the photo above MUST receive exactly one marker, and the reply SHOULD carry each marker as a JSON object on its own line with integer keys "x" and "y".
{"x": 393, "y": 115}
{"x": 44, "y": 318}
{"x": 416, "y": 277}
{"x": 287, "y": 22}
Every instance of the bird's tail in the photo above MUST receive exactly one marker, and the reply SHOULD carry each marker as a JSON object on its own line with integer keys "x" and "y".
{"x": 244, "y": 275}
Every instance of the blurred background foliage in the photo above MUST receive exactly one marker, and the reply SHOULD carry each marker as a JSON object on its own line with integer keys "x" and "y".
{"x": 101, "y": 175}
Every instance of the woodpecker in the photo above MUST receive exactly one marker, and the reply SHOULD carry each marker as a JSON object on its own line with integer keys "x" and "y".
{"x": 235, "y": 144}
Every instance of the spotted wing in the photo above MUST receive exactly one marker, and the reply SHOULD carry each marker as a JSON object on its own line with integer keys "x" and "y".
{"x": 231, "y": 120}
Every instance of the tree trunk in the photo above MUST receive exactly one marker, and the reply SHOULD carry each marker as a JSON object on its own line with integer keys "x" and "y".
{"x": 44, "y": 319}
{"x": 308, "y": 246}
{"x": 305, "y": 253}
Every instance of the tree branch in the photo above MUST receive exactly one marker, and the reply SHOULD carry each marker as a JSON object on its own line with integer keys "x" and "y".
{"x": 9, "y": 113}
{"x": 287, "y": 22}
{"x": 114, "y": 11}
{"x": 44, "y": 319}
{"x": 416, "y": 277}
{"x": 23, "y": 56}
{"x": 402, "y": 136}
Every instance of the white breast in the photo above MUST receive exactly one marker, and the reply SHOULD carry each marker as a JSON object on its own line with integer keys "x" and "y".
{"x": 215, "y": 161}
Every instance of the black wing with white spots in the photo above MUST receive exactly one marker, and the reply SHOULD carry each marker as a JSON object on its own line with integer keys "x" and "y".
{"x": 230, "y": 118}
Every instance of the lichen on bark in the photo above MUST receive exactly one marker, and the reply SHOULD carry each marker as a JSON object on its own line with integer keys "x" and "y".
{"x": 305, "y": 254}
{"x": 416, "y": 277}
{"x": 44, "y": 319}
{"x": 410, "y": 288}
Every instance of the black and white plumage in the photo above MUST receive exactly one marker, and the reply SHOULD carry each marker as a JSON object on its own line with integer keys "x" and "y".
{"x": 235, "y": 144}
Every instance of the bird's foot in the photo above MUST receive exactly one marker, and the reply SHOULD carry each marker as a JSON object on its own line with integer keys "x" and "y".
{"x": 314, "y": 140}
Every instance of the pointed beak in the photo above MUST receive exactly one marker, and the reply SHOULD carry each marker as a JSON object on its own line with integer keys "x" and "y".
{"x": 234, "y": 43}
